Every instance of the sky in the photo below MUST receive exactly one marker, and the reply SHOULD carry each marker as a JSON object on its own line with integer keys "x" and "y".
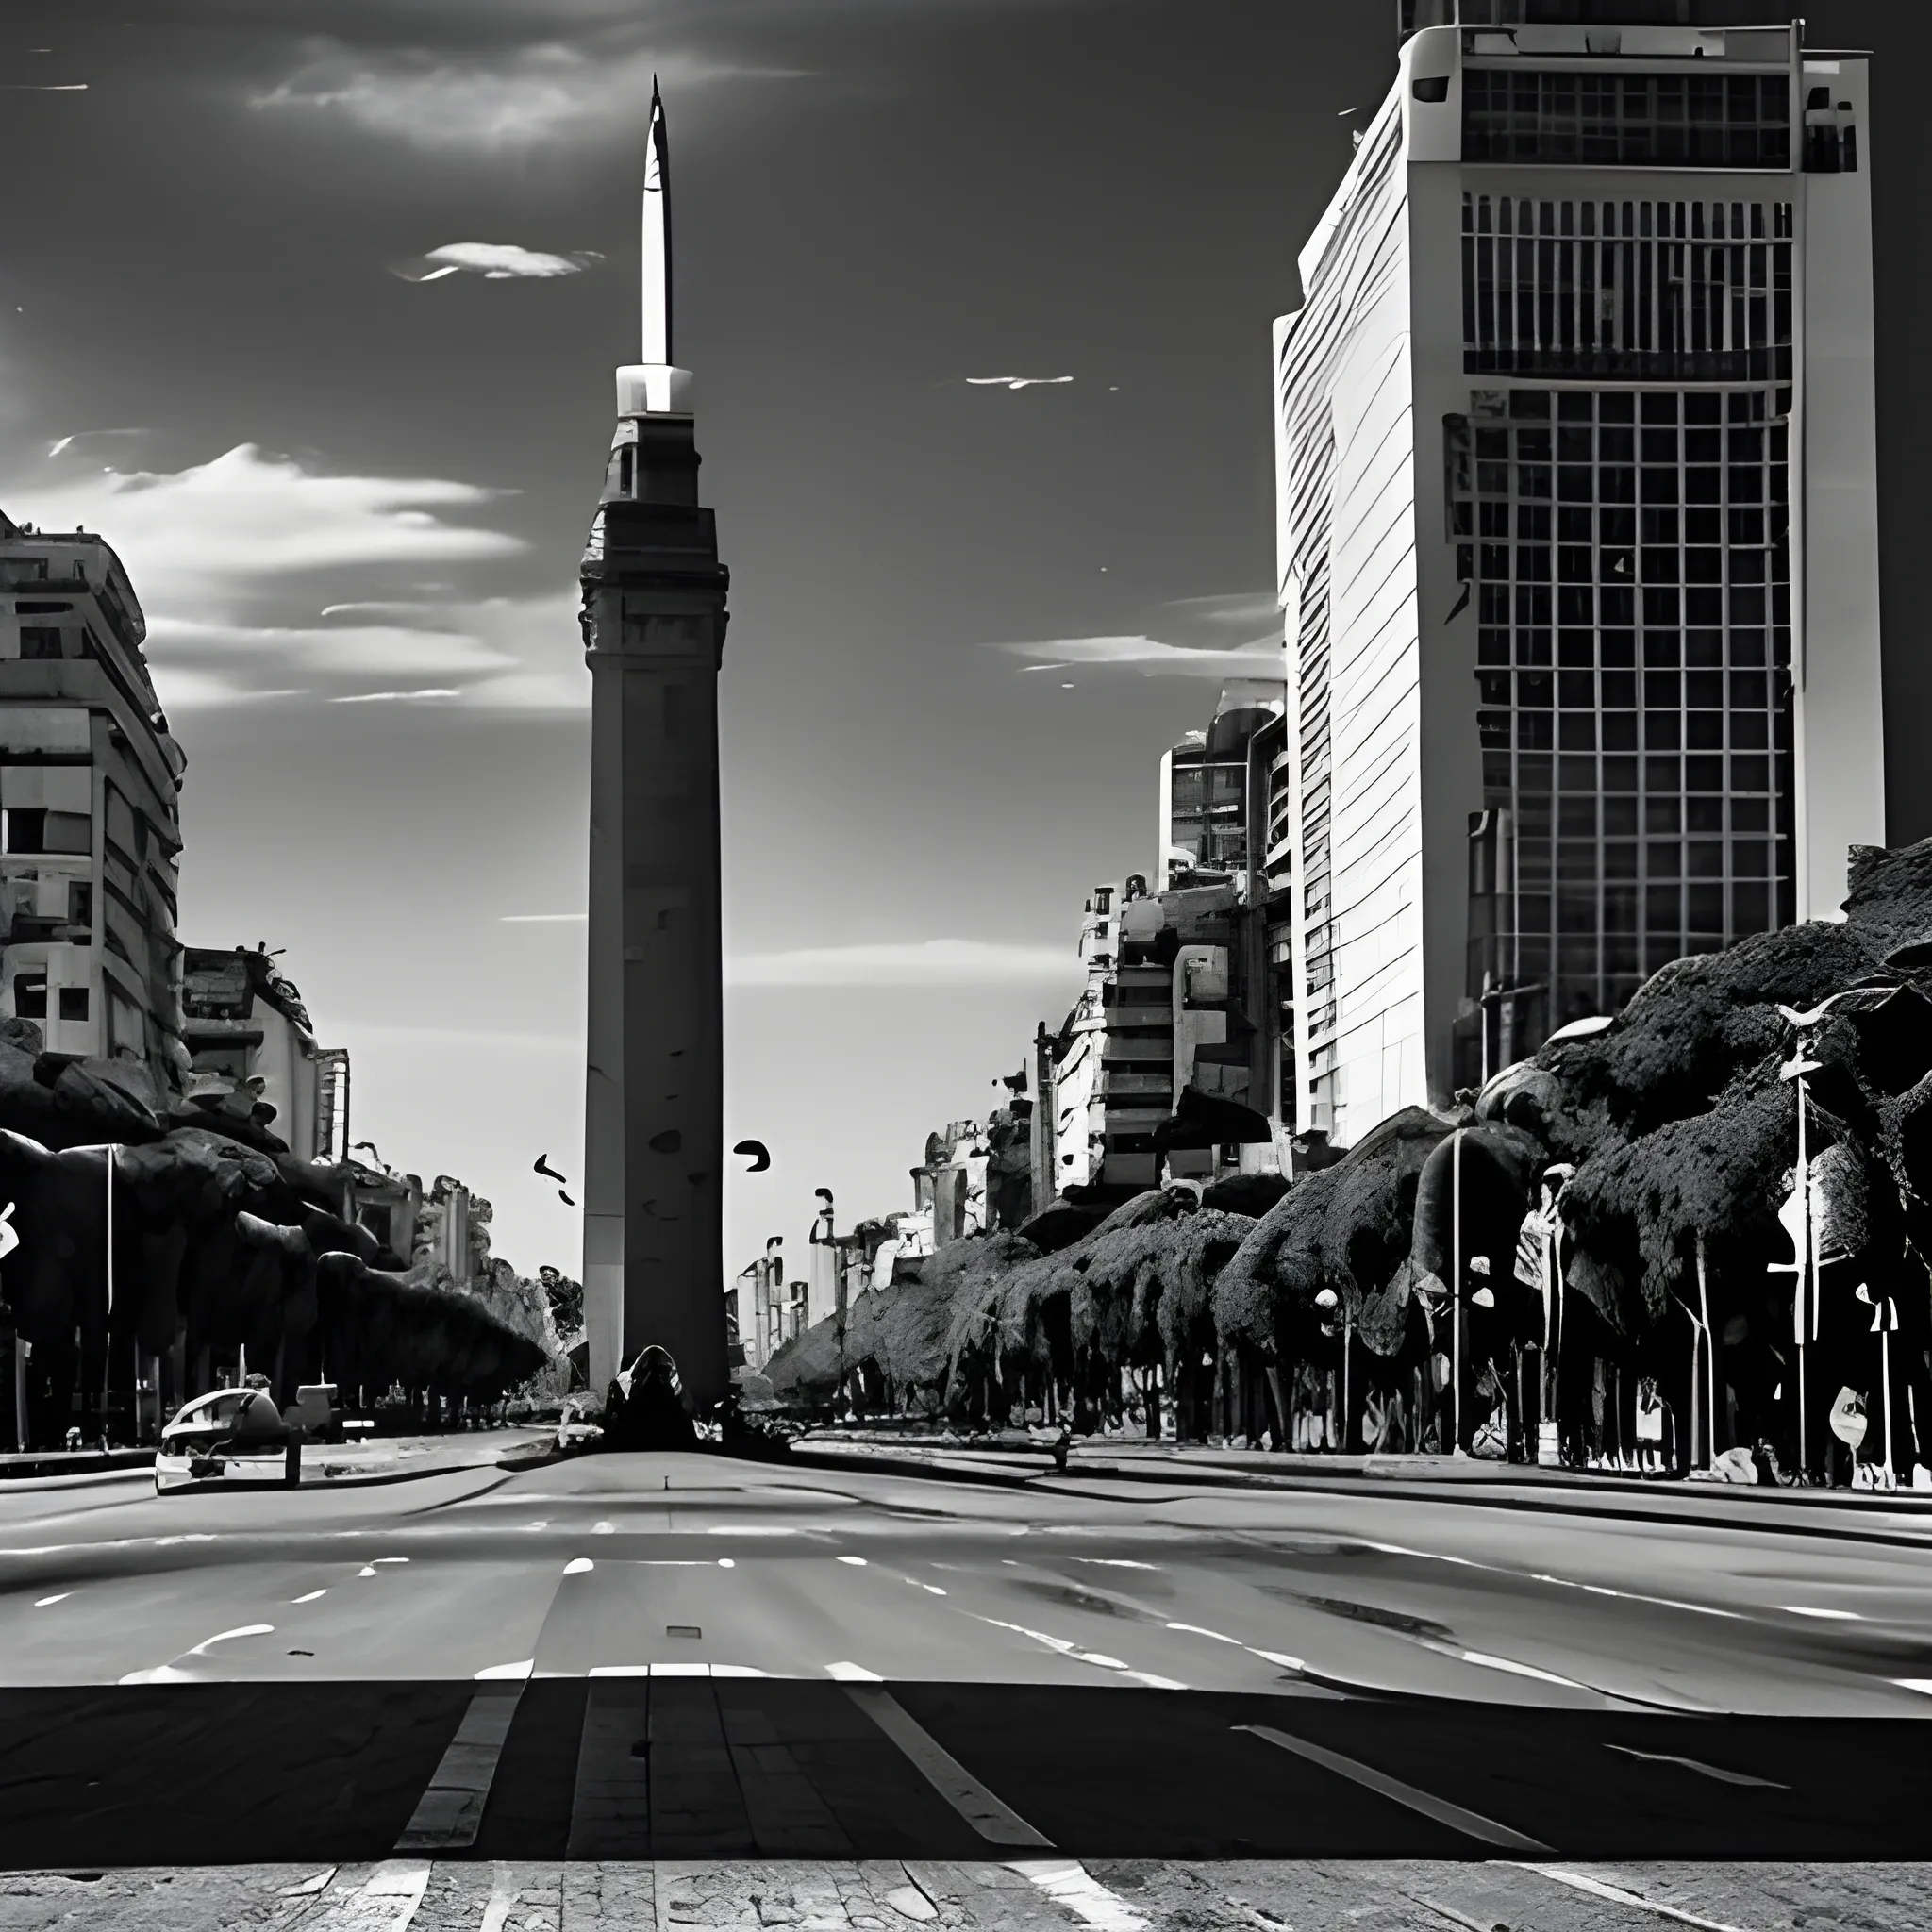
{"x": 312, "y": 310}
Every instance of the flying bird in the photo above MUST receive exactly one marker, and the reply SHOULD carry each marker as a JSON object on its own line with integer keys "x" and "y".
{"x": 549, "y": 1173}
{"x": 759, "y": 1154}
{"x": 1017, "y": 381}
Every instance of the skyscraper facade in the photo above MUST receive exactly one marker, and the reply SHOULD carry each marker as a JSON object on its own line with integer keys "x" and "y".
{"x": 1577, "y": 532}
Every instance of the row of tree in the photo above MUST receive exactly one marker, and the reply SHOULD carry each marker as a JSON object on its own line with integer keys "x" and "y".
{"x": 159, "y": 1254}
{"x": 1701, "y": 1225}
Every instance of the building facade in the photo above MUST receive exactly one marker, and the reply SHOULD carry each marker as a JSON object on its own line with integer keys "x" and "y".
{"x": 1577, "y": 533}
{"x": 253, "y": 1052}
{"x": 90, "y": 815}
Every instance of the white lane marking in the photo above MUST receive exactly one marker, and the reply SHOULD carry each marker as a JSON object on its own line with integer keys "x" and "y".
{"x": 536, "y": 1526}
{"x": 386, "y": 1903}
{"x": 41, "y": 1602}
{"x": 1579, "y": 1881}
{"x": 1116, "y": 1563}
{"x": 1471, "y": 1823}
{"x": 202, "y": 1648}
{"x": 1716, "y": 1771}
{"x": 1516, "y": 1670}
{"x": 1061, "y": 1644}
{"x": 1427, "y": 1556}
{"x": 451, "y": 1807}
{"x": 727, "y": 1562}
{"x": 854, "y": 1673}
{"x": 493, "y": 1672}
{"x": 1277, "y": 1657}
{"x": 1273, "y": 1657}
{"x": 749, "y": 1529}
{"x": 307, "y": 1887}
{"x": 1922, "y": 1685}
{"x": 1153, "y": 1683}
{"x": 603, "y": 1529}
{"x": 1632, "y": 1597}
{"x": 579, "y": 1566}
{"x": 1076, "y": 1888}
{"x": 1835, "y": 1615}
{"x": 858, "y": 1562}
{"x": 311, "y": 1598}
{"x": 366, "y": 1569}
{"x": 994, "y": 1820}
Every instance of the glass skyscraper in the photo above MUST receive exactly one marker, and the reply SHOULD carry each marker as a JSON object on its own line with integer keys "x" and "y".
{"x": 1577, "y": 518}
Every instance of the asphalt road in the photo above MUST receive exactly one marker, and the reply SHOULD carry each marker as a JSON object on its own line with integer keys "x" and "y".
{"x": 682, "y": 1657}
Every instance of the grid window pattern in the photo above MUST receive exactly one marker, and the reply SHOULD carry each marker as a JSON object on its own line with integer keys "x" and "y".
{"x": 1627, "y": 119}
{"x": 1629, "y": 553}
{"x": 1672, "y": 291}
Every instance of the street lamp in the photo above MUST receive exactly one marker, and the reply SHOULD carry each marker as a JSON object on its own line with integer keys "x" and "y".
{"x": 1797, "y": 1215}
{"x": 1701, "y": 1338}
{"x": 1884, "y": 1319}
{"x": 1328, "y": 1301}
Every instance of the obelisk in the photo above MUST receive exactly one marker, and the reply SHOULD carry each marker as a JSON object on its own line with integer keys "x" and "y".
{"x": 653, "y": 622}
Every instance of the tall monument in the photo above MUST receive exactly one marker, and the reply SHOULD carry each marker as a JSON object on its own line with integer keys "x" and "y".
{"x": 653, "y": 622}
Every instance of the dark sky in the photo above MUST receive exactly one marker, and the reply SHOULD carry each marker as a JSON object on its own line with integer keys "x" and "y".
{"x": 874, "y": 200}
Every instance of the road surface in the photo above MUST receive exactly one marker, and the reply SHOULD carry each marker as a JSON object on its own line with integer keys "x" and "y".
{"x": 683, "y": 1664}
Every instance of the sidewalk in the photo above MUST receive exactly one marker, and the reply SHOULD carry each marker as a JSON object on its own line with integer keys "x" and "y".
{"x": 1012, "y": 1460}
{"x": 388, "y": 1458}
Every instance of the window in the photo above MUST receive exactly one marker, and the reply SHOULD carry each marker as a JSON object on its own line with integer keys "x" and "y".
{"x": 30, "y": 995}
{"x": 83, "y": 905}
{"x": 23, "y": 828}
{"x": 1627, "y": 119}
{"x": 72, "y": 1002}
{"x": 39, "y": 640}
{"x": 1685, "y": 291}
{"x": 1708, "y": 753}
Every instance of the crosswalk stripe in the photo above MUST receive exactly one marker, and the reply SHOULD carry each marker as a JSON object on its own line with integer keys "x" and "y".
{"x": 993, "y": 1819}
{"x": 1072, "y": 1885}
{"x": 385, "y": 1902}
{"x": 1472, "y": 1823}
{"x": 450, "y": 1811}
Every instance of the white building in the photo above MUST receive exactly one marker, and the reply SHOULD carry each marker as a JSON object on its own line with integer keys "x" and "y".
{"x": 1577, "y": 533}
{"x": 90, "y": 815}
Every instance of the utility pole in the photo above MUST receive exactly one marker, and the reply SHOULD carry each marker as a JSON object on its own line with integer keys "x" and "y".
{"x": 1043, "y": 1143}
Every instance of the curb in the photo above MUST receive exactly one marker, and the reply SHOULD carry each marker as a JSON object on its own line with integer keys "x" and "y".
{"x": 1567, "y": 1499}
{"x": 328, "y": 1485}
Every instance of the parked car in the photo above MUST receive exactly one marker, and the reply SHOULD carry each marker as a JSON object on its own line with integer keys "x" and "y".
{"x": 237, "y": 1431}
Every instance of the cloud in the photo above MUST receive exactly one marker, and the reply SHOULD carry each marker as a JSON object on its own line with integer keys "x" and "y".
{"x": 191, "y": 538}
{"x": 1019, "y": 381}
{"x": 528, "y": 96}
{"x": 496, "y": 262}
{"x": 1150, "y": 656}
{"x": 224, "y": 558}
{"x": 379, "y": 698}
{"x": 907, "y": 963}
{"x": 1242, "y": 609}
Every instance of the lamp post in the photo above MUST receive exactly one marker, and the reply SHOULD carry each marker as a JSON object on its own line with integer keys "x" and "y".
{"x": 1456, "y": 1294}
{"x": 1700, "y": 1337}
{"x": 1798, "y": 1214}
{"x": 1884, "y": 1319}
